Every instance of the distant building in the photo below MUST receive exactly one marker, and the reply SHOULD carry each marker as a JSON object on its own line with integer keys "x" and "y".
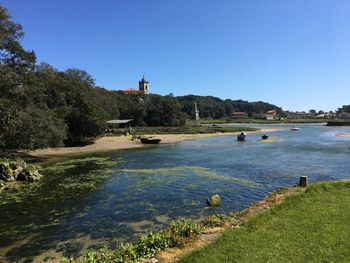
{"x": 143, "y": 88}
{"x": 300, "y": 115}
{"x": 239, "y": 115}
{"x": 326, "y": 115}
{"x": 117, "y": 124}
{"x": 270, "y": 115}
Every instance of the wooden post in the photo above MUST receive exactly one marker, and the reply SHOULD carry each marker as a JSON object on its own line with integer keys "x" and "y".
{"x": 303, "y": 181}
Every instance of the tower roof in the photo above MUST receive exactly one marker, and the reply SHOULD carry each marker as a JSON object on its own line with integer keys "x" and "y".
{"x": 143, "y": 79}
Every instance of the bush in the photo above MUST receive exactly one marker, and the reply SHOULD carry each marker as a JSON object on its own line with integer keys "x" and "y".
{"x": 216, "y": 220}
{"x": 149, "y": 244}
{"x": 185, "y": 227}
{"x": 125, "y": 253}
{"x": 146, "y": 246}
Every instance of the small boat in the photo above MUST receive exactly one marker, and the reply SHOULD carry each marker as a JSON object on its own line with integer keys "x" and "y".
{"x": 150, "y": 141}
{"x": 241, "y": 137}
{"x": 264, "y": 137}
{"x": 294, "y": 129}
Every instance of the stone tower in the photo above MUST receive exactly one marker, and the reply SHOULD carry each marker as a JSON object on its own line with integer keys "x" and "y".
{"x": 144, "y": 85}
{"x": 196, "y": 114}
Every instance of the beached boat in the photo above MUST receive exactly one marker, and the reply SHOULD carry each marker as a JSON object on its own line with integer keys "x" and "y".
{"x": 264, "y": 137}
{"x": 150, "y": 141}
{"x": 241, "y": 137}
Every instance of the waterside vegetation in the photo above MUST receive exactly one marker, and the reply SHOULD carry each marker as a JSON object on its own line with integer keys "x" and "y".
{"x": 297, "y": 225}
{"x": 180, "y": 237}
{"x": 70, "y": 180}
{"x": 308, "y": 227}
{"x": 226, "y": 120}
{"x": 338, "y": 123}
{"x": 203, "y": 129}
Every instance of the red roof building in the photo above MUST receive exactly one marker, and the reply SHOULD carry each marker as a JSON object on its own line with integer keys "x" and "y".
{"x": 143, "y": 88}
{"x": 238, "y": 114}
{"x": 131, "y": 91}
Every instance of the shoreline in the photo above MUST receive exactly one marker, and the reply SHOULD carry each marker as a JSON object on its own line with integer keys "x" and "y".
{"x": 235, "y": 219}
{"x": 115, "y": 143}
{"x": 343, "y": 135}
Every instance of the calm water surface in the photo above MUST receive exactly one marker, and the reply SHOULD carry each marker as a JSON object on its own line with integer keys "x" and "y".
{"x": 110, "y": 198}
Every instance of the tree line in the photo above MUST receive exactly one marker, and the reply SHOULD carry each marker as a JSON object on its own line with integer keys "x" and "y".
{"x": 216, "y": 108}
{"x": 344, "y": 109}
{"x": 41, "y": 106}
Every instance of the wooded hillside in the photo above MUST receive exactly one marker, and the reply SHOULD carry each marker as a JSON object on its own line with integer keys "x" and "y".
{"x": 41, "y": 106}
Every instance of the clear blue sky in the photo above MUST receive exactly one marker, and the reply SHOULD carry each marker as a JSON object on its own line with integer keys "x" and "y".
{"x": 295, "y": 54}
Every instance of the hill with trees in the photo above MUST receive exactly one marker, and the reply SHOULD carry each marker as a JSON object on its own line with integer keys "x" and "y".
{"x": 41, "y": 106}
{"x": 216, "y": 108}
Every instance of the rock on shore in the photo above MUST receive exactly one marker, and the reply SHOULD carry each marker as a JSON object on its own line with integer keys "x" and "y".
{"x": 18, "y": 170}
{"x": 214, "y": 200}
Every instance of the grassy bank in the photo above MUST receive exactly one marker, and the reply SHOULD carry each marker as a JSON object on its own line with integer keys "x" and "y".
{"x": 189, "y": 130}
{"x": 309, "y": 227}
{"x": 261, "y": 121}
{"x": 338, "y": 123}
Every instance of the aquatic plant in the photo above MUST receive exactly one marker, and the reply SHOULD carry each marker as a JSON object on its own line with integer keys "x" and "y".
{"x": 63, "y": 183}
{"x": 81, "y": 175}
{"x": 191, "y": 170}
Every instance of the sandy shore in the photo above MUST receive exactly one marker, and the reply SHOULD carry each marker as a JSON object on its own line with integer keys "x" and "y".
{"x": 343, "y": 135}
{"x": 112, "y": 143}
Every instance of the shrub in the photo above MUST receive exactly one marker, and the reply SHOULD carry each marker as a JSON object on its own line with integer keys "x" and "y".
{"x": 216, "y": 220}
{"x": 147, "y": 245}
{"x": 103, "y": 255}
{"x": 125, "y": 253}
{"x": 185, "y": 227}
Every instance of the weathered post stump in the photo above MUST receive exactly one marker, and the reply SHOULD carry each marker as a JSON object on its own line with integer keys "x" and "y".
{"x": 303, "y": 181}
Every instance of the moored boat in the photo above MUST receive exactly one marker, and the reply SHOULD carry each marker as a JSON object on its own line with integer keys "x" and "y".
{"x": 241, "y": 137}
{"x": 265, "y": 137}
{"x": 150, "y": 141}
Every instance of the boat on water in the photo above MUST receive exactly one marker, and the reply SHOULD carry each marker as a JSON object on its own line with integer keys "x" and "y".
{"x": 265, "y": 137}
{"x": 150, "y": 140}
{"x": 241, "y": 137}
{"x": 294, "y": 129}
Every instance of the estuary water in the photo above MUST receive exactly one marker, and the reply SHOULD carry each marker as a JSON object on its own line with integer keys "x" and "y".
{"x": 87, "y": 202}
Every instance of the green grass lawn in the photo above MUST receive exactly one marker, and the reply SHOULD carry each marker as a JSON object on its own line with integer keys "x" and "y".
{"x": 313, "y": 226}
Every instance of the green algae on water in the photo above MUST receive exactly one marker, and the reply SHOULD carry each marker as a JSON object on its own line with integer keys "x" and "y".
{"x": 197, "y": 171}
{"x": 63, "y": 183}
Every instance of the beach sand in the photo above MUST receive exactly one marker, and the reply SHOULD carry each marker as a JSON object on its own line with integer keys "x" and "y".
{"x": 112, "y": 143}
{"x": 343, "y": 135}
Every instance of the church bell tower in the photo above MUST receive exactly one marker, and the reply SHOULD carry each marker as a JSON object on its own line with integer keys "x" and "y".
{"x": 144, "y": 85}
